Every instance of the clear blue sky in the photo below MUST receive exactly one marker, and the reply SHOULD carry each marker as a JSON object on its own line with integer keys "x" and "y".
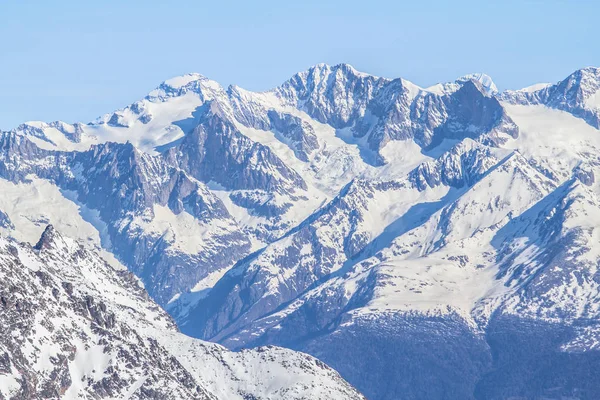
{"x": 76, "y": 60}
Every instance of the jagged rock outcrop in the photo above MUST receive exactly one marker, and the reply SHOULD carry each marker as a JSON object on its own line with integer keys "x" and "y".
{"x": 74, "y": 327}
{"x": 577, "y": 94}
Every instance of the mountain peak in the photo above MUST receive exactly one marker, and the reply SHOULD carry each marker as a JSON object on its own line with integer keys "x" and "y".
{"x": 344, "y": 69}
{"x": 485, "y": 80}
{"x": 180, "y": 85}
{"x": 584, "y": 76}
{"x": 587, "y": 80}
{"x": 590, "y": 70}
{"x": 178, "y": 82}
{"x": 48, "y": 238}
{"x": 350, "y": 69}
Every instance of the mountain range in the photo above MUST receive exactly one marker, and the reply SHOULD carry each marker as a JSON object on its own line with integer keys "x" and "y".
{"x": 426, "y": 243}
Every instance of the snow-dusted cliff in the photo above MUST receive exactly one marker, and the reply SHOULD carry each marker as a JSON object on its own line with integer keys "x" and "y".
{"x": 74, "y": 327}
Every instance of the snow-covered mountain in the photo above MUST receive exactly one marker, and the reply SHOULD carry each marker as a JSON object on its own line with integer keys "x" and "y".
{"x": 425, "y": 242}
{"x": 74, "y": 327}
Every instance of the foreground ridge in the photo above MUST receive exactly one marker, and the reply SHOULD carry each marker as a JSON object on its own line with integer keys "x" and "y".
{"x": 74, "y": 327}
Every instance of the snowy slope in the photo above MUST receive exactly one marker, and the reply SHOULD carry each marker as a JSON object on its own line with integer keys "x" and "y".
{"x": 73, "y": 327}
{"x": 362, "y": 219}
{"x": 577, "y": 95}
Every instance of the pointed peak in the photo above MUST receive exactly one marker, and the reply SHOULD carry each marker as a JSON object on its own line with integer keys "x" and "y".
{"x": 235, "y": 90}
{"x": 588, "y": 71}
{"x": 589, "y": 76}
{"x": 178, "y": 82}
{"x": 576, "y": 78}
{"x": 48, "y": 238}
{"x": 320, "y": 70}
{"x": 350, "y": 69}
{"x": 342, "y": 68}
{"x": 480, "y": 81}
{"x": 215, "y": 109}
{"x": 484, "y": 80}
{"x": 321, "y": 66}
{"x": 180, "y": 85}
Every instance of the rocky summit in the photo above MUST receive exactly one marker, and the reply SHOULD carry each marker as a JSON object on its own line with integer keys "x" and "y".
{"x": 426, "y": 243}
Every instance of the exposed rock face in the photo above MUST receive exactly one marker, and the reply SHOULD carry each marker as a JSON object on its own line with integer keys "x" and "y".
{"x": 577, "y": 94}
{"x": 48, "y": 239}
{"x": 423, "y": 241}
{"x": 334, "y": 95}
{"x": 384, "y": 110}
{"x": 298, "y": 133}
{"x": 242, "y": 163}
{"x": 5, "y": 221}
{"x": 125, "y": 186}
{"x": 74, "y": 327}
{"x": 462, "y": 166}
